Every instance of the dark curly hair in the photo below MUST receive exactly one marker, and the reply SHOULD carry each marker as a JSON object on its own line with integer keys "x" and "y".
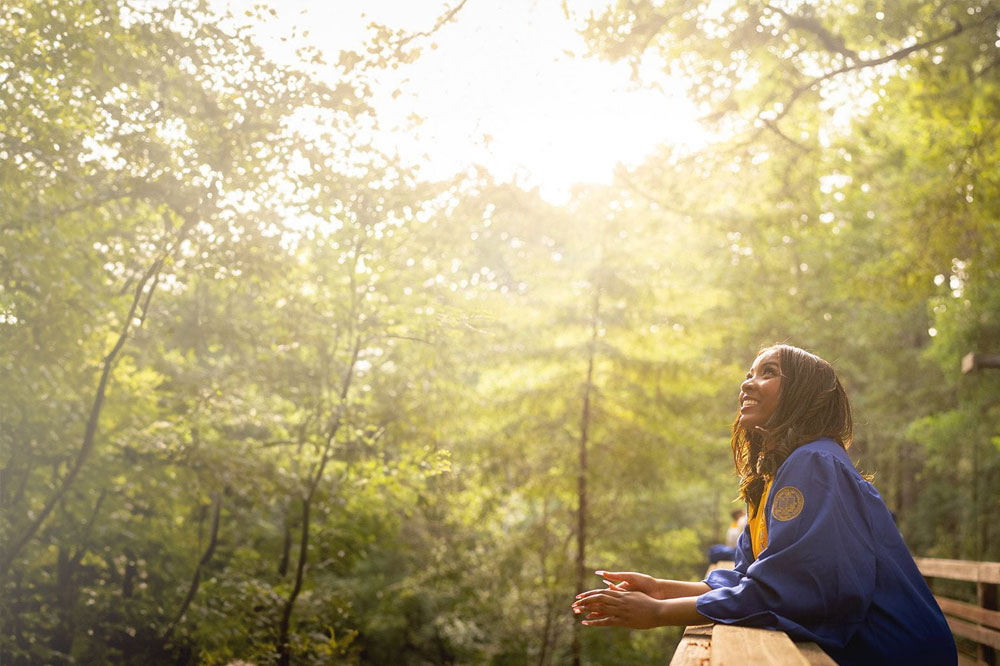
{"x": 812, "y": 404}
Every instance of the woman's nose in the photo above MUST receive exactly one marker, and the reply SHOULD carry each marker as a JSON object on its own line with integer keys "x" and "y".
{"x": 746, "y": 383}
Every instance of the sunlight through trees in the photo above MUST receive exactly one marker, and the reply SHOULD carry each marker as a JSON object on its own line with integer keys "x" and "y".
{"x": 272, "y": 396}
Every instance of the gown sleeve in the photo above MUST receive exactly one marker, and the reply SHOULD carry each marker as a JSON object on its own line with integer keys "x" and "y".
{"x": 816, "y": 577}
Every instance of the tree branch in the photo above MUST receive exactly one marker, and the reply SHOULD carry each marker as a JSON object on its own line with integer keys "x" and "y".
{"x": 284, "y": 649}
{"x": 830, "y": 41}
{"x": 213, "y": 541}
{"x": 442, "y": 20}
{"x": 90, "y": 432}
{"x": 77, "y": 557}
{"x": 874, "y": 62}
{"x": 408, "y": 337}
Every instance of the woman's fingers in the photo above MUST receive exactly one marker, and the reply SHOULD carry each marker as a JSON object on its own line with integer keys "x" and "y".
{"x": 608, "y": 621}
{"x": 587, "y": 608}
{"x": 622, "y": 576}
{"x": 602, "y": 590}
{"x": 613, "y": 575}
{"x": 590, "y": 593}
{"x": 616, "y": 575}
{"x": 619, "y": 580}
{"x": 602, "y": 603}
{"x": 599, "y": 596}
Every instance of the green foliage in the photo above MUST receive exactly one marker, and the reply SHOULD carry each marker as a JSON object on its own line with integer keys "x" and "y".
{"x": 209, "y": 307}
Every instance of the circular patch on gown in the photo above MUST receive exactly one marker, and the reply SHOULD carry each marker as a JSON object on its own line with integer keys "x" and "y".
{"x": 788, "y": 503}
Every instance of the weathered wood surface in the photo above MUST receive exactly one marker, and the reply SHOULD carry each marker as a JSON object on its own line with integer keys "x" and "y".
{"x": 974, "y": 632}
{"x": 960, "y": 609}
{"x": 976, "y": 572}
{"x": 973, "y": 361}
{"x": 695, "y": 648}
{"x": 976, "y": 622}
{"x": 732, "y": 646}
{"x": 967, "y": 661}
{"x": 722, "y": 645}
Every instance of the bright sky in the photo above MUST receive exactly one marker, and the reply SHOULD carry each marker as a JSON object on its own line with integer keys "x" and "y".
{"x": 506, "y": 87}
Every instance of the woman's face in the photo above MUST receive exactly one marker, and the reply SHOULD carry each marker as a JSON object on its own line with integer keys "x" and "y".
{"x": 759, "y": 392}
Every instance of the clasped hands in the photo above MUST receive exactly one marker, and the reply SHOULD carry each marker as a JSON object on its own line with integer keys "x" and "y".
{"x": 639, "y": 601}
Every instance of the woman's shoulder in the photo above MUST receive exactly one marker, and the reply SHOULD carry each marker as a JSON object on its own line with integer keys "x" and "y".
{"x": 823, "y": 466}
{"x": 823, "y": 446}
{"x": 822, "y": 452}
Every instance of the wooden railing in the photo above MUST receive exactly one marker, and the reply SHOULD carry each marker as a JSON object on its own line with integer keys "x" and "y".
{"x": 977, "y": 623}
{"x": 726, "y": 645}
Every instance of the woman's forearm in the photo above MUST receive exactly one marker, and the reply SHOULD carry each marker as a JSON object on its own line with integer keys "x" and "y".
{"x": 613, "y": 607}
{"x": 681, "y": 612}
{"x": 673, "y": 589}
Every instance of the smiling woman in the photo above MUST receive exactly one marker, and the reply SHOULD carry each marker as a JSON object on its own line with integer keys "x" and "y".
{"x": 812, "y": 404}
{"x": 820, "y": 558}
{"x": 759, "y": 393}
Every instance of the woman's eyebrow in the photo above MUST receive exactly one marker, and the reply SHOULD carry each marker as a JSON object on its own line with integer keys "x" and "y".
{"x": 761, "y": 368}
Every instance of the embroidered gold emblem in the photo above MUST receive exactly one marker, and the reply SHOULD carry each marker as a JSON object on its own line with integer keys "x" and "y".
{"x": 788, "y": 503}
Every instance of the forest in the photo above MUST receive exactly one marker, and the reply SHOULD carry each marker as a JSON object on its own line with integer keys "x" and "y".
{"x": 270, "y": 397}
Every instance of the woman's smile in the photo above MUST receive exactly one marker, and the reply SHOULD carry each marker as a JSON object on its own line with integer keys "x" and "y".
{"x": 759, "y": 392}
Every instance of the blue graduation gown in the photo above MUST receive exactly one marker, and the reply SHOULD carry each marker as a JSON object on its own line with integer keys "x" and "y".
{"x": 835, "y": 570}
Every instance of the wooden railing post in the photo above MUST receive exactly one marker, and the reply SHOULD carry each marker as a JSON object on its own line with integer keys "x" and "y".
{"x": 979, "y": 622}
{"x": 986, "y": 595}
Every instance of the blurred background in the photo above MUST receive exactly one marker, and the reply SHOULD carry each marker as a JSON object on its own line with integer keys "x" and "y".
{"x": 362, "y": 333}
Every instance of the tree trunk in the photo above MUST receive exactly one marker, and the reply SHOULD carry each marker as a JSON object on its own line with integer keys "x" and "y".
{"x": 581, "y": 516}
{"x": 66, "y": 594}
{"x": 286, "y": 548}
{"x": 140, "y": 305}
{"x": 213, "y": 540}
{"x": 284, "y": 648}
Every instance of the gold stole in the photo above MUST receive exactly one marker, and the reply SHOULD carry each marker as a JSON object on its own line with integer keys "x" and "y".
{"x": 758, "y": 524}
